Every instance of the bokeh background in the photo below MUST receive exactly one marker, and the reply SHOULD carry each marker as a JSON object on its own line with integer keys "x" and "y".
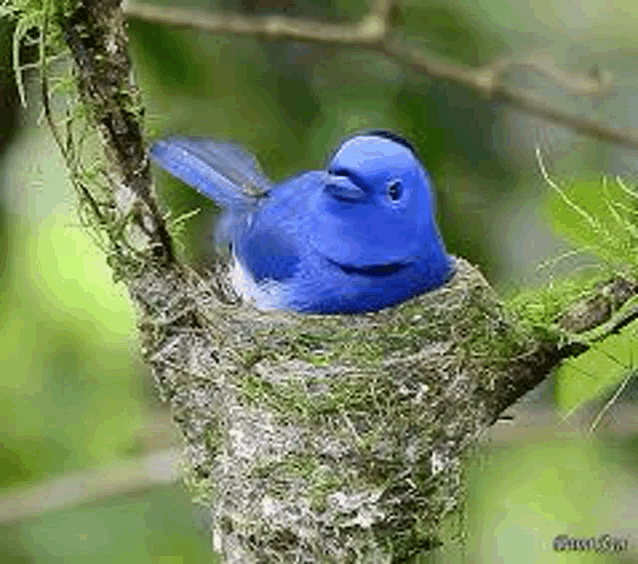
{"x": 78, "y": 411}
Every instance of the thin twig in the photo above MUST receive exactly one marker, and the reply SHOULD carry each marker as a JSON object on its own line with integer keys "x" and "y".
{"x": 562, "y": 194}
{"x": 139, "y": 474}
{"x": 374, "y": 32}
{"x": 611, "y": 401}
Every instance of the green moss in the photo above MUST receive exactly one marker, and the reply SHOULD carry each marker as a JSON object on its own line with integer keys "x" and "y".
{"x": 213, "y": 437}
{"x": 324, "y": 481}
{"x": 198, "y": 485}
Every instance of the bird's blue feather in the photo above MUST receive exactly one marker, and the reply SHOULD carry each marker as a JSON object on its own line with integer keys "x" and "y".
{"x": 358, "y": 236}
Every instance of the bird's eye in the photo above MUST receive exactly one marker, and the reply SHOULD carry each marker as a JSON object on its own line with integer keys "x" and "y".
{"x": 394, "y": 190}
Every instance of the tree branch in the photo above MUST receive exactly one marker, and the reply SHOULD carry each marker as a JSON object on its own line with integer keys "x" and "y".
{"x": 120, "y": 478}
{"x": 375, "y": 32}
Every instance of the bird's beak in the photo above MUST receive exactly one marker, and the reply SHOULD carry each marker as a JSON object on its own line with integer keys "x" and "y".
{"x": 343, "y": 189}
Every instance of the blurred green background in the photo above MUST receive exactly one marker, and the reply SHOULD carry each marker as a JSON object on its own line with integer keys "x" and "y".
{"x": 75, "y": 395}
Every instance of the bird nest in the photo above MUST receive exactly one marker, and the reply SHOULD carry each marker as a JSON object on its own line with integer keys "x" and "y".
{"x": 330, "y": 438}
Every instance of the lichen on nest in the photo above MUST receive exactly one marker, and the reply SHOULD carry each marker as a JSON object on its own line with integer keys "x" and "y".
{"x": 337, "y": 437}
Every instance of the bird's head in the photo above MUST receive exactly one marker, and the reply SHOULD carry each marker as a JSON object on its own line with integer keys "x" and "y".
{"x": 376, "y": 206}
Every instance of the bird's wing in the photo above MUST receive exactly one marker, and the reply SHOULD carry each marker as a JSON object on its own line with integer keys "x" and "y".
{"x": 272, "y": 241}
{"x": 221, "y": 171}
{"x": 271, "y": 255}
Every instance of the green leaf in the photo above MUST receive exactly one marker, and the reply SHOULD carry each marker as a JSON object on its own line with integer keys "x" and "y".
{"x": 599, "y": 371}
{"x": 599, "y": 216}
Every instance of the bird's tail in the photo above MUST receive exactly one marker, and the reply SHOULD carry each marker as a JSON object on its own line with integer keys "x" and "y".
{"x": 221, "y": 171}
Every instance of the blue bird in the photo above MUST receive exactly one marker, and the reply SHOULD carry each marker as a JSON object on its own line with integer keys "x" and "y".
{"x": 358, "y": 236}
